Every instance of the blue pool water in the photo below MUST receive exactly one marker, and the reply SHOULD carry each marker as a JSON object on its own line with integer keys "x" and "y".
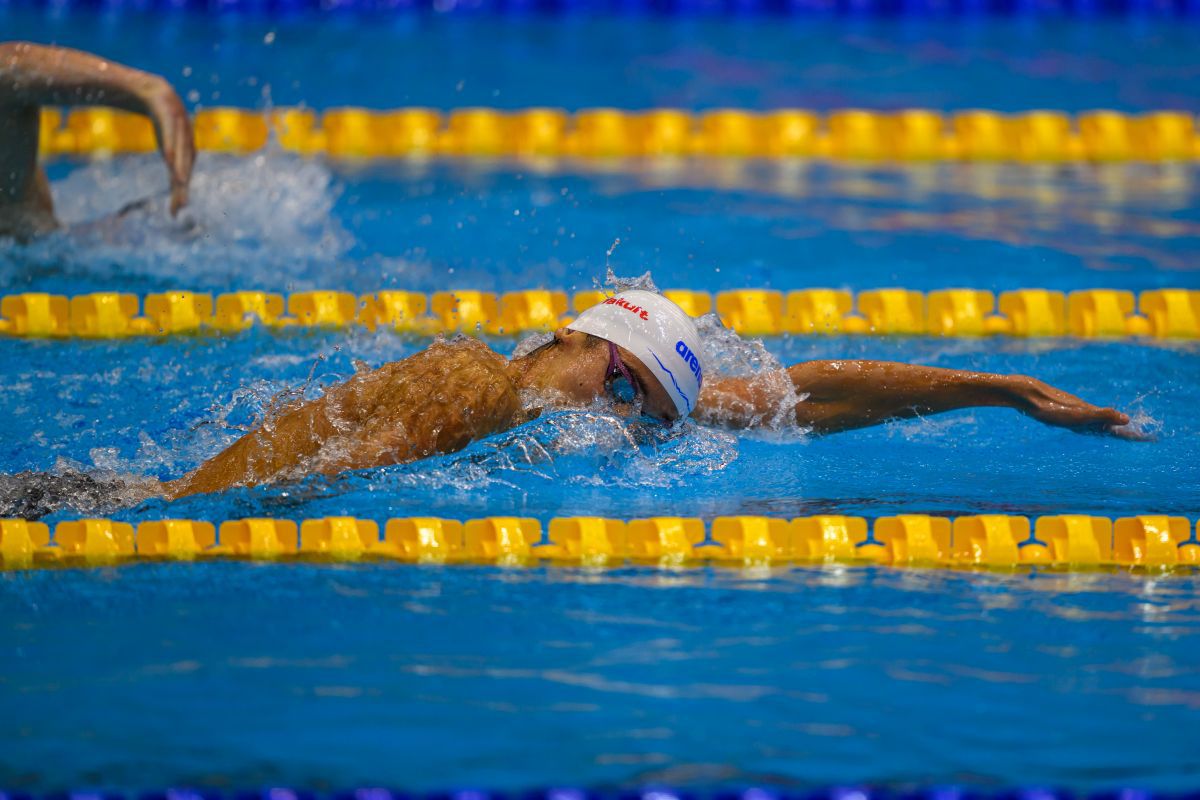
{"x": 232, "y": 675}
{"x": 639, "y": 62}
{"x": 227, "y": 675}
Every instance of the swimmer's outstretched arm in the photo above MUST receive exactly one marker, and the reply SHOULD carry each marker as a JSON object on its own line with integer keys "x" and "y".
{"x": 32, "y": 76}
{"x": 842, "y": 395}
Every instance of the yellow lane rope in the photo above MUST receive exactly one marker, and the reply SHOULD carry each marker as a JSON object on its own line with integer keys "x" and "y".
{"x": 848, "y": 134}
{"x": 988, "y": 541}
{"x": 1028, "y": 313}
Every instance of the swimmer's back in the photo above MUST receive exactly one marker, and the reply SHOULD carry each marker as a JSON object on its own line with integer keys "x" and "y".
{"x": 436, "y": 401}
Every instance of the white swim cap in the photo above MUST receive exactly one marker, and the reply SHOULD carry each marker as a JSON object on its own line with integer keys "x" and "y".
{"x": 659, "y": 333}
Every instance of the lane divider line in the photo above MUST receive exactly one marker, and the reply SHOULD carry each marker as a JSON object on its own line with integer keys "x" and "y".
{"x": 1066, "y": 542}
{"x": 1023, "y": 313}
{"x": 1040, "y": 136}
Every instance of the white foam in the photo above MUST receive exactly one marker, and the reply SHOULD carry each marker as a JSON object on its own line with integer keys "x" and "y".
{"x": 576, "y": 448}
{"x": 1141, "y": 424}
{"x": 265, "y": 220}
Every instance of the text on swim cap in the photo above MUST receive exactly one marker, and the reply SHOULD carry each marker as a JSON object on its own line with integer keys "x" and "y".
{"x": 690, "y": 359}
{"x": 630, "y": 307}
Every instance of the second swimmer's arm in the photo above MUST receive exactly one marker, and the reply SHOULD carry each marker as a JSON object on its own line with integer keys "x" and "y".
{"x": 33, "y": 75}
{"x": 842, "y": 395}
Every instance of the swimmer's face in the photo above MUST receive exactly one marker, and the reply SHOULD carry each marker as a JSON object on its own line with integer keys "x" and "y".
{"x": 575, "y": 366}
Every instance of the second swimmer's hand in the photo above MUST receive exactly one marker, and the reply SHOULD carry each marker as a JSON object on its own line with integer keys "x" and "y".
{"x": 1052, "y": 406}
{"x": 175, "y": 140}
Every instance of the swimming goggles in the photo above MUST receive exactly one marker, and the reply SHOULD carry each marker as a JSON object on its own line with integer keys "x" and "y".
{"x": 621, "y": 383}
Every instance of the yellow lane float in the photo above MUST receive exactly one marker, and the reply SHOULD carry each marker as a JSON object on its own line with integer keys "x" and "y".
{"x": 982, "y": 542}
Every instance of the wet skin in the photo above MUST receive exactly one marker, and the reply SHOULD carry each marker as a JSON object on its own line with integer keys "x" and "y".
{"x": 32, "y": 76}
{"x": 441, "y": 399}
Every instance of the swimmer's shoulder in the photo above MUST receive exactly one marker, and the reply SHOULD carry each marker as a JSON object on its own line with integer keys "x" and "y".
{"x": 468, "y": 347}
{"x": 464, "y": 354}
{"x": 460, "y": 374}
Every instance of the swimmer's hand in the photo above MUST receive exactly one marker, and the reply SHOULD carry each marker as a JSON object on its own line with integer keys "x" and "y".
{"x": 33, "y": 75}
{"x": 1052, "y": 406}
{"x": 175, "y": 142}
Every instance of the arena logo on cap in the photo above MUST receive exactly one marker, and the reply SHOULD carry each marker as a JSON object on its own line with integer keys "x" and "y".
{"x": 690, "y": 359}
{"x": 621, "y": 302}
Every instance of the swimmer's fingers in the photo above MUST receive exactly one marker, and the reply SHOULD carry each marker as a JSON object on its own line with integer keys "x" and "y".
{"x": 1130, "y": 433}
{"x": 1110, "y": 418}
{"x": 1062, "y": 409}
{"x": 175, "y": 140}
{"x": 1083, "y": 417}
{"x": 1110, "y": 422}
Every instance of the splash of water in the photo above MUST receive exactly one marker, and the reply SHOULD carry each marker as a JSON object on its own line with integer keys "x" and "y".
{"x": 33, "y": 495}
{"x": 1142, "y": 425}
{"x": 615, "y": 284}
{"x": 532, "y": 342}
{"x": 726, "y": 354}
{"x": 932, "y": 428}
{"x": 575, "y": 447}
{"x": 264, "y": 221}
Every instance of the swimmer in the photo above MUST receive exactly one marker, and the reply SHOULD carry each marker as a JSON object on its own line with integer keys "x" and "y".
{"x": 637, "y": 349}
{"x": 32, "y": 76}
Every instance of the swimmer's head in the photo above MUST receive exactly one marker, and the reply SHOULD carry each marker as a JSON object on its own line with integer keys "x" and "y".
{"x": 659, "y": 335}
{"x": 611, "y": 351}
